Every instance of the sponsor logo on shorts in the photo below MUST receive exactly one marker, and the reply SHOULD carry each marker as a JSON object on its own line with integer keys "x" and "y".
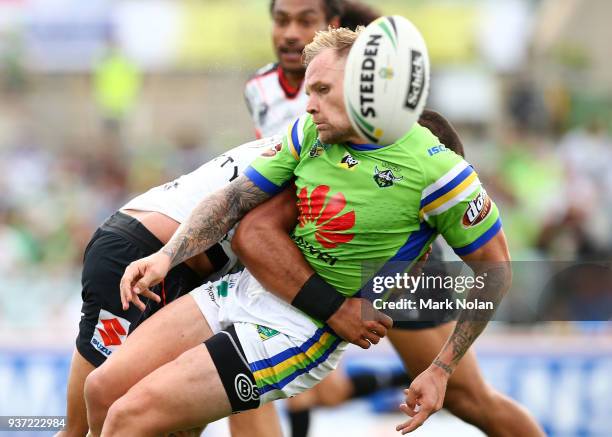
{"x": 477, "y": 210}
{"x": 266, "y": 333}
{"x": 110, "y": 332}
{"x": 417, "y": 80}
{"x": 245, "y": 388}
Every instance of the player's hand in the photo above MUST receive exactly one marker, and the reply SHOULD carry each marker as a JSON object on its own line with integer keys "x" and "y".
{"x": 424, "y": 397}
{"x": 358, "y": 322}
{"x": 139, "y": 276}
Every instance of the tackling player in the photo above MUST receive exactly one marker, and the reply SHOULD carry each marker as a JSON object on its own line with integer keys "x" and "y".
{"x": 140, "y": 228}
{"x": 259, "y": 348}
{"x": 275, "y": 97}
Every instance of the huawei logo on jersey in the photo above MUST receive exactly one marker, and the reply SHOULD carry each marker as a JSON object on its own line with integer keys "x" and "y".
{"x": 330, "y": 225}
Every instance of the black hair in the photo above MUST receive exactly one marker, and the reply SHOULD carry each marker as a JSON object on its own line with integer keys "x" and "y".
{"x": 333, "y": 8}
{"x": 442, "y": 128}
{"x": 356, "y": 13}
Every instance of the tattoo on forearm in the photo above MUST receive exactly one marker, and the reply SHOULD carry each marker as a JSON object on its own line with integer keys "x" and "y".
{"x": 212, "y": 218}
{"x": 443, "y": 366}
{"x": 472, "y": 322}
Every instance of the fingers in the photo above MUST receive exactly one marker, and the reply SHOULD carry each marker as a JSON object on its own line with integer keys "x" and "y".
{"x": 372, "y": 337}
{"x": 385, "y": 320}
{"x": 411, "y": 397}
{"x": 125, "y": 285}
{"x": 130, "y": 293}
{"x": 151, "y": 295}
{"x": 413, "y": 423}
{"x": 363, "y": 343}
{"x": 377, "y": 328}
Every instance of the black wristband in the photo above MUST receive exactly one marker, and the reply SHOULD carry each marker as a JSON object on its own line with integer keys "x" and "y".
{"x": 318, "y": 299}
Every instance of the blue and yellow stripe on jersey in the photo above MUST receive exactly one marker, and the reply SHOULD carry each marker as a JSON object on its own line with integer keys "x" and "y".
{"x": 276, "y": 372}
{"x": 457, "y": 184}
{"x": 295, "y": 136}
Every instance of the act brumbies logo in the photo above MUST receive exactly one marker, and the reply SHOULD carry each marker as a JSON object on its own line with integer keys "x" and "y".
{"x": 348, "y": 162}
{"x": 325, "y": 214}
{"x": 385, "y": 178}
{"x": 318, "y": 149}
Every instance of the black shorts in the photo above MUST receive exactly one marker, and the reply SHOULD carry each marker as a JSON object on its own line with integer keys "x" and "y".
{"x": 433, "y": 267}
{"x": 104, "y": 325}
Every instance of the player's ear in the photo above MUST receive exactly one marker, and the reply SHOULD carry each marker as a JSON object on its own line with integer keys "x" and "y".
{"x": 335, "y": 21}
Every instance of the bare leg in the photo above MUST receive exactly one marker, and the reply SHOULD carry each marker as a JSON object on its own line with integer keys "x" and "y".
{"x": 468, "y": 396}
{"x": 76, "y": 413}
{"x": 181, "y": 394}
{"x": 262, "y": 422}
{"x": 173, "y": 330}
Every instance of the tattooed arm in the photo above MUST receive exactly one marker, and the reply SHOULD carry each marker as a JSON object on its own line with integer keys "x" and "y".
{"x": 492, "y": 262}
{"x": 209, "y": 221}
{"x": 212, "y": 219}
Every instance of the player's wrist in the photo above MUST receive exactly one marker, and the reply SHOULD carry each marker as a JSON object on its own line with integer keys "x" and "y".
{"x": 318, "y": 299}
{"x": 441, "y": 368}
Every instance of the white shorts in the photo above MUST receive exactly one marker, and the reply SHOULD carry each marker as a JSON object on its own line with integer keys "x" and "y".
{"x": 285, "y": 350}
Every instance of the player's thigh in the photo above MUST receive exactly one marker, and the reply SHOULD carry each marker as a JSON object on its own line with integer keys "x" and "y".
{"x": 419, "y": 347}
{"x": 262, "y": 422}
{"x": 182, "y": 394}
{"x": 173, "y": 330}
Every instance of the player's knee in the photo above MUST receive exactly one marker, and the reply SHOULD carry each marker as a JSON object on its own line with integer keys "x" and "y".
{"x": 126, "y": 415}
{"x": 119, "y": 419}
{"x": 98, "y": 392}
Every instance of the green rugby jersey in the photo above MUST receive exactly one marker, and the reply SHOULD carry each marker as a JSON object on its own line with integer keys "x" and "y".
{"x": 362, "y": 202}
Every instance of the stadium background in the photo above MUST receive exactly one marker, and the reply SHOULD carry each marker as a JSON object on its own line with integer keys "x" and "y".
{"x": 100, "y": 100}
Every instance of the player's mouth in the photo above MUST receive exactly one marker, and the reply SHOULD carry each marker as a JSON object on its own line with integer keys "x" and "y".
{"x": 290, "y": 54}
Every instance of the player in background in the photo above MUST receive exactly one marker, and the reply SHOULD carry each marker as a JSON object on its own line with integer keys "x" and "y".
{"x": 275, "y": 96}
{"x": 243, "y": 366}
{"x": 140, "y": 228}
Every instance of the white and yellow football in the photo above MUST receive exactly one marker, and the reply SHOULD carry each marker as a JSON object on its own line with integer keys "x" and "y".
{"x": 386, "y": 80}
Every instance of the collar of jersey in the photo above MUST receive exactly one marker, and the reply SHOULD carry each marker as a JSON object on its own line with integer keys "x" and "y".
{"x": 372, "y": 147}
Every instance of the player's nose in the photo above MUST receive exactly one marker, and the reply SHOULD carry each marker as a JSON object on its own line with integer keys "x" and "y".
{"x": 312, "y": 106}
{"x": 292, "y": 33}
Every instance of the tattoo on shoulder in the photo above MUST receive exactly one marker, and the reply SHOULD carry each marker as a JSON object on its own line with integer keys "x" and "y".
{"x": 212, "y": 218}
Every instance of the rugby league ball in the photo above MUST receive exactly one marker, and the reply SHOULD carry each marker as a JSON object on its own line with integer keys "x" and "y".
{"x": 386, "y": 80}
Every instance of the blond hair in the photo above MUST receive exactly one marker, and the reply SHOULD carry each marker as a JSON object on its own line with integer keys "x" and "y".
{"x": 340, "y": 39}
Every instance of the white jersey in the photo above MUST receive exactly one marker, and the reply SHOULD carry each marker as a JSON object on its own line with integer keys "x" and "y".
{"x": 177, "y": 199}
{"x": 272, "y": 102}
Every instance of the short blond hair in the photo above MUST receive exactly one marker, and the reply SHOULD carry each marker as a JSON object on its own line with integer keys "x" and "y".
{"x": 340, "y": 39}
